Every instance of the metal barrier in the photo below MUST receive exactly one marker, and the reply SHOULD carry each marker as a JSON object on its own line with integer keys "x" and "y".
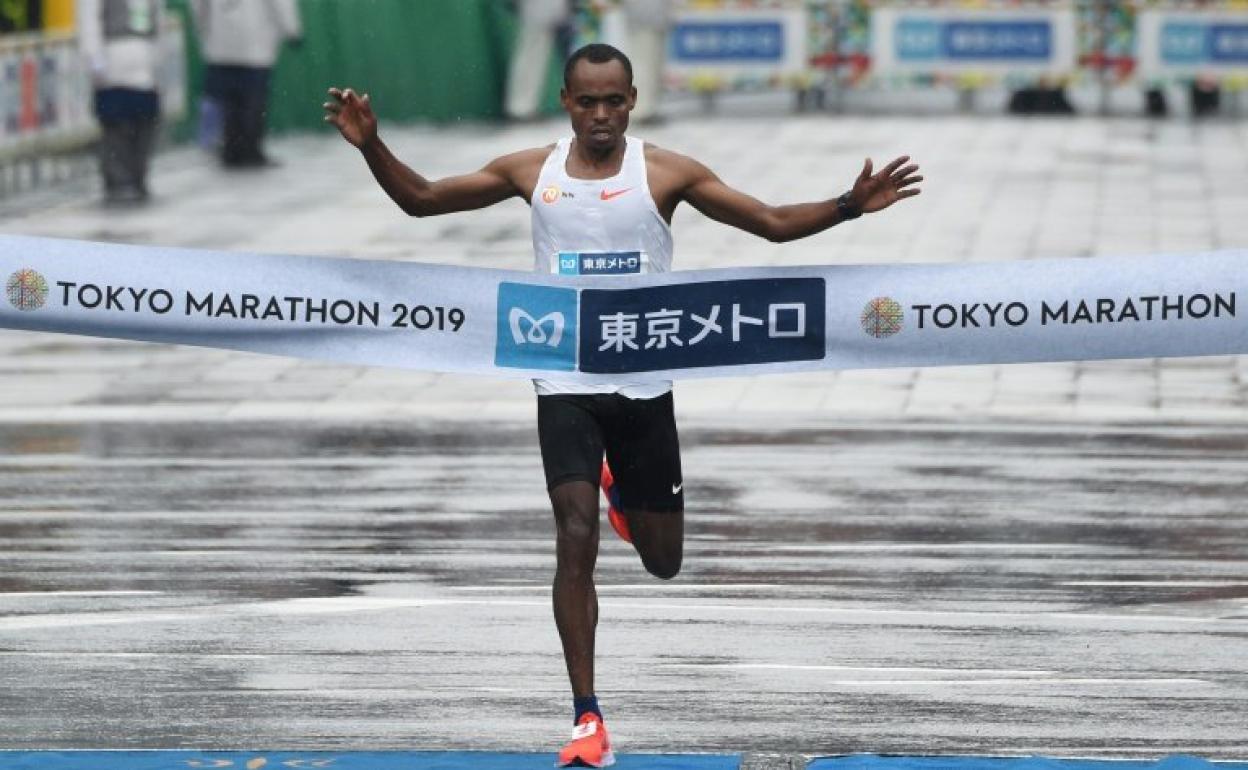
{"x": 46, "y": 117}
{"x": 43, "y": 98}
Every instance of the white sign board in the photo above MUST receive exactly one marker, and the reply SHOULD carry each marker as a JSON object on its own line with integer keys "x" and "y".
{"x": 738, "y": 44}
{"x": 1192, "y": 43}
{"x": 932, "y": 41}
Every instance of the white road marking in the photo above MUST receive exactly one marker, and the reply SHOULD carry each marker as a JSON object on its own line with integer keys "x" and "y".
{"x": 1026, "y": 673}
{"x": 334, "y": 605}
{"x": 1013, "y": 682}
{"x": 162, "y": 655}
{"x": 1157, "y": 583}
{"x": 938, "y": 547}
{"x": 657, "y": 587}
{"x": 945, "y": 676}
{"x": 55, "y": 594}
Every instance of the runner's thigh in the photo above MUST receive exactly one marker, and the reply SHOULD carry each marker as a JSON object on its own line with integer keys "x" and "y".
{"x": 643, "y": 451}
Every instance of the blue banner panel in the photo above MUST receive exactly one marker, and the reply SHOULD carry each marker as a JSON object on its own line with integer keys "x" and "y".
{"x": 873, "y": 762}
{"x": 536, "y": 327}
{"x": 361, "y": 760}
{"x": 917, "y": 40}
{"x": 1183, "y": 43}
{"x": 715, "y": 323}
{"x": 1008, "y": 40}
{"x": 1228, "y": 43}
{"x": 1187, "y": 42}
{"x": 745, "y": 41}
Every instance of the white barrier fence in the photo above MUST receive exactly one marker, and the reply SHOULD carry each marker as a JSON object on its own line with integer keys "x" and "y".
{"x": 46, "y": 93}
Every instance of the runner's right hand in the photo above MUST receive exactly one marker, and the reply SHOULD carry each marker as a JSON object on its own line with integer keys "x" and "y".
{"x": 352, "y": 114}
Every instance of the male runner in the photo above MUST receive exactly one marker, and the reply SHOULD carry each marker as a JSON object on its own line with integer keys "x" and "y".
{"x": 601, "y": 191}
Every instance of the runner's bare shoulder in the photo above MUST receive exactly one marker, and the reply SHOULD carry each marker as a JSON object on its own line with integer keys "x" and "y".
{"x": 522, "y": 168}
{"x": 523, "y": 160}
{"x": 676, "y": 169}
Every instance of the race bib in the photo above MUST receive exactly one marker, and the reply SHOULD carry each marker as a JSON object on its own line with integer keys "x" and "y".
{"x": 599, "y": 263}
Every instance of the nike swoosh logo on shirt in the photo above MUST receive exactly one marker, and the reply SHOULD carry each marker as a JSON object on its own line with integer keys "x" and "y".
{"x": 606, "y": 196}
{"x": 677, "y": 487}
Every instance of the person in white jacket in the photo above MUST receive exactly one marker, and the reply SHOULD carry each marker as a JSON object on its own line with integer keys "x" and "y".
{"x": 240, "y": 41}
{"x": 648, "y": 23}
{"x": 119, "y": 41}
{"x": 530, "y": 60}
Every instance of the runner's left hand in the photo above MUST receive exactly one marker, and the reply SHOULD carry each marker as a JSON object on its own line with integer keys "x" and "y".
{"x": 892, "y": 183}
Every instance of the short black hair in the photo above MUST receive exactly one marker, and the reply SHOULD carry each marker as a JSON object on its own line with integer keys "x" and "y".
{"x": 596, "y": 53}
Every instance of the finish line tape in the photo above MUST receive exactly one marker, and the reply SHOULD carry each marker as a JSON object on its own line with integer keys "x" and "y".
{"x": 703, "y": 323}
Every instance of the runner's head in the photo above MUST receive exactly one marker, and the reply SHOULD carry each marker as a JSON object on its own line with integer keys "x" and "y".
{"x": 598, "y": 94}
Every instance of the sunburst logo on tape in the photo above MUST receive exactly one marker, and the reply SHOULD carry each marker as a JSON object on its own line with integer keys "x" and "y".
{"x": 27, "y": 289}
{"x": 882, "y": 317}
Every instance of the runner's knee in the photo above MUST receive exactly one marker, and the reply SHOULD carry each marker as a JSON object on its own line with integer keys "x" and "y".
{"x": 659, "y": 539}
{"x": 663, "y": 562}
{"x": 576, "y": 530}
{"x": 576, "y": 514}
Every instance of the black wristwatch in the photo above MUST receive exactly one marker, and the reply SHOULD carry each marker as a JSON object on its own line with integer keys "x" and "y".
{"x": 846, "y": 207}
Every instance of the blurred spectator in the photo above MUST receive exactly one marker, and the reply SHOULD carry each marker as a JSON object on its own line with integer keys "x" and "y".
{"x": 1204, "y": 96}
{"x": 240, "y": 40}
{"x": 1041, "y": 99}
{"x": 530, "y": 60}
{"x": 648, "y": 22}
{"x": 1155, "y": 103}
{"x": 119, "y": 42}
{"x": 209, "y": 132}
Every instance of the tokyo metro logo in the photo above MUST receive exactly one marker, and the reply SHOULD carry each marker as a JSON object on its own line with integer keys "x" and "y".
{"x": 27, "y": 290}
{"x": 526, "y": 329}
{"x": 536, "y": 327}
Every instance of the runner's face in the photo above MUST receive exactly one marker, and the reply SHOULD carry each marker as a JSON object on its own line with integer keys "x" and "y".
{"x": 598, "y": 98}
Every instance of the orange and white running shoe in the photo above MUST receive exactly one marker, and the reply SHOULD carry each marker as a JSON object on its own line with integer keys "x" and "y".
{"x": 590, "y": 746}
{"x": 614, "y": 515}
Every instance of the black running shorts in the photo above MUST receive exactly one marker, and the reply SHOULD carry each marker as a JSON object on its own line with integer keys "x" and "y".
{"x": 637, "y": 435}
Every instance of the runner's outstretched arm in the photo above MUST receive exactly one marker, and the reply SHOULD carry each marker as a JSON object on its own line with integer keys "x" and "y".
{"x": 871, "y": 192}
{"x": 353, "y": 115}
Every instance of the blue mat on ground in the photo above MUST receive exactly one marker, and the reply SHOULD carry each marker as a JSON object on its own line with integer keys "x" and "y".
{"x": 874, "y": 762}
{"x": 355, "y": 760}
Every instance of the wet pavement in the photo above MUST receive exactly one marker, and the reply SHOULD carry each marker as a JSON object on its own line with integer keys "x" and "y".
{"x": 912, "y": 587}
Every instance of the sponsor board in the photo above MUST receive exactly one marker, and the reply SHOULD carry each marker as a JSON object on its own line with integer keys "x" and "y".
{"x": 936, "y": 42}
{"x": 704, "y": 324}
{"x": 1181, "y": 44}
{"x": 728, "y": 45}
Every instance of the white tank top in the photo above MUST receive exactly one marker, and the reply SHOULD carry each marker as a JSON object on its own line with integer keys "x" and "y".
{"x": 576, "y": 219}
